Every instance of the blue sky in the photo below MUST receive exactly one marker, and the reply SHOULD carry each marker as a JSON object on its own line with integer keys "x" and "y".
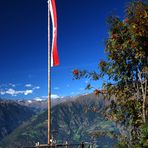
{"x": 82, "y": 30}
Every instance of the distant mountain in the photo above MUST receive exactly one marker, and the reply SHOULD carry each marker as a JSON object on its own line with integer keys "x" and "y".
{"x": 74, "y": 120}
{"x": 77, "y": 118}
{"x": 12, "y": 115}
{"x": 40, "y": 103}
{"x": 36, "y": 104}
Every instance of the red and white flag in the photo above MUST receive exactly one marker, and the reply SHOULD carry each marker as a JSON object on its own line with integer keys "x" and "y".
{"x": 54, "y": 50}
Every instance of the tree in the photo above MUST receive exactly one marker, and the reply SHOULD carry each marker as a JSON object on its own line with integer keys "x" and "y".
{"x": 127, "y": 70}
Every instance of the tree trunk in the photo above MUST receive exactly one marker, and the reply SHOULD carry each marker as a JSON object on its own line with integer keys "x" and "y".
{"x": 144, "y": 92}
{"x": 143, "y": 109}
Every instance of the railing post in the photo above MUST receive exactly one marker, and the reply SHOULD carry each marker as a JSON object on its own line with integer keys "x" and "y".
{"x": 37, "y": 144}
{"x": 66, "y": 144}
{"x": 82, "y": 145}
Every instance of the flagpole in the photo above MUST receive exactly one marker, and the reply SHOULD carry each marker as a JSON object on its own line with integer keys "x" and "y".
{"x": 49, "y": 56}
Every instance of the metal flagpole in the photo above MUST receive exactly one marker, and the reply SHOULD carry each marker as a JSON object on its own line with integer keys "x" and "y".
{"x": 49, "y": 59}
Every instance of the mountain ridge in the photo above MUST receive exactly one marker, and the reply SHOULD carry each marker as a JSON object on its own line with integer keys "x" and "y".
{"x": 12, "y": 115}
{"x": 71, "y": 119}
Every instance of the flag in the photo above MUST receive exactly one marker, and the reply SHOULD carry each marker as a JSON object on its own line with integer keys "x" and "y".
{"x": 54, "y": 50}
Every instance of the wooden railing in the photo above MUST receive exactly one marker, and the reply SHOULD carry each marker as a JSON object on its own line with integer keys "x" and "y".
{"x": 81, "y": 145}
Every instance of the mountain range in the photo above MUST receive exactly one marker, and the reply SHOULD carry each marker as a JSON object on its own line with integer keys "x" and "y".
{"x": 74, "y": 120}
{"x": 12, "y": 115}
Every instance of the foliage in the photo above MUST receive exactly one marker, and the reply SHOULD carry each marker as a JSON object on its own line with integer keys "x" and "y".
{"x": 127, "y": 70}
{"x": 144, "y": 135}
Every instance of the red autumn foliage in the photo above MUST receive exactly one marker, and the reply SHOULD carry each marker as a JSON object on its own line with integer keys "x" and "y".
{"x": 96, "y": 92}
{"x": 126, "y": 20}
{"x": 114, "y": 36}
{"x": 75, "y": 71}
{"x": 102, "y": 63}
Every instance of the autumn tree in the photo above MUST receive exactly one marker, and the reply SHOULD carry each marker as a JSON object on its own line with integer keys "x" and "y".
{"x": 127, "y": 70}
